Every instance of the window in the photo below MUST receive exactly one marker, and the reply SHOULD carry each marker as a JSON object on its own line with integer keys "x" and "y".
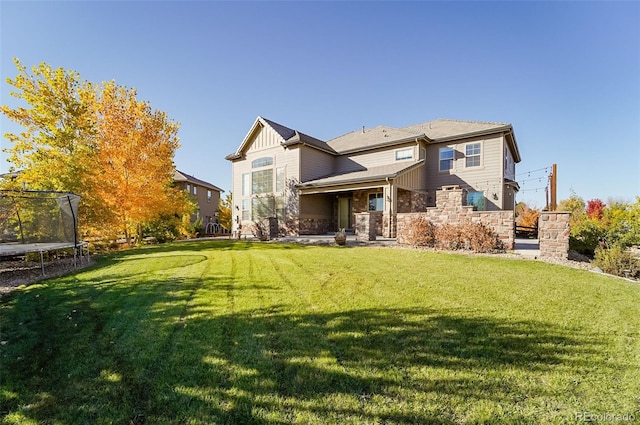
{"x": 446, "y": 159}
{"x": 262, "y": 181}
{"x": 376, "y": 201}
{"x": 246, "y": 185}
{"x": 262, "y": 207}
{"x": 262, "y": 162}
{"x": 245, "y": 210}
{"x": 195, "y": 190}
{"x": 472, "y": 153}
{"x": 280, "y": 177}
{"x": 188, "y": 188}
{"x": 477, "y": 200}
{"x": 404, "y": 154}
{"x": 209, "y": 196}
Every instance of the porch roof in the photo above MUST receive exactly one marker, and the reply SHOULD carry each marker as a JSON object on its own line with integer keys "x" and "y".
{"x": 373, "y": 174}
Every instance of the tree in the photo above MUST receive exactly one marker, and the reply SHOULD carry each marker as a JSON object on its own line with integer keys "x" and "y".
{"x": 133, "y": 172}
{"x": 97, "y": 141}
{"x": 595, "y": 209}
{"x": 224, "y": 211}
{"x": 58, "y": 128}
{"x": 525, "y": 216}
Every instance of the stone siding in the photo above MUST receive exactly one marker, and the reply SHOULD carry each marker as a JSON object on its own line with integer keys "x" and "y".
{"x": 450, "y": 209}
{"x": 316, "y": 226}
{"x": 553, "y": 232}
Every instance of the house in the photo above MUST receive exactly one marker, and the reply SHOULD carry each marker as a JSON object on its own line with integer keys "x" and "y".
{"x": 205, "y": 194}
{"x": 313, "y": 186}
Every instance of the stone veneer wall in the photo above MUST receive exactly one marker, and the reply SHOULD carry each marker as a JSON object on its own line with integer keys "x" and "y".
{"x": 316, "y": 226}
{"x": 450, "y": 209}
{"x": 553, "y": 232}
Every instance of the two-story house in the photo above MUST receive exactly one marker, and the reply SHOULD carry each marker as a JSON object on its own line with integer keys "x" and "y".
{"x": 314, "y": 187}
{"x": 205, "y": 194}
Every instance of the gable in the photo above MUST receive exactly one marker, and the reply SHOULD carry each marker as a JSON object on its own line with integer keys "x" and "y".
{"x": 263, "y": 134}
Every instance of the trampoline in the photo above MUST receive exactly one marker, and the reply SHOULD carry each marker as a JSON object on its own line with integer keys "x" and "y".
{"x": 39, "y": 221}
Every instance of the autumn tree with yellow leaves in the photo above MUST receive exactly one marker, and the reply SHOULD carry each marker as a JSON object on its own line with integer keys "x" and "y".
{"x": 99, "y": 141}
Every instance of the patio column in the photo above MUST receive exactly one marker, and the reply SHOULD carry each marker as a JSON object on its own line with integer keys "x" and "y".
{"x": 390, "y": 211}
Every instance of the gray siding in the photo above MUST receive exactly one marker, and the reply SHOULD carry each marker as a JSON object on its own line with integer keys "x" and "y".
{"x": 487, "y": 178}
{"x": 315, "y": 164}
{"x": 373, "y": 158}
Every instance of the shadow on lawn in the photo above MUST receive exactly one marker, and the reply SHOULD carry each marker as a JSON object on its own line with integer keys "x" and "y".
{"x": 135, "y": 353}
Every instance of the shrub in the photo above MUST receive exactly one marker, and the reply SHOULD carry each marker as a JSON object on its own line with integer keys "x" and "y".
{"x": 468, "y": 235}
{"x": 482, "y": 237}
{"x": 617, "y": 261}
{"x": 586, "y": 235}
{"x": 419, "y": 231}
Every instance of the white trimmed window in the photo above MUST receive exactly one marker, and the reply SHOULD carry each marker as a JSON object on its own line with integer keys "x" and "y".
{"x": 209, "y": 196}
{"x": 446, "y": 156}
{"x": 188, "y": 188}
{"x": 403, "y": 154}
{"x": 245, "y": 210}
{"x": 473, "y": 153}
{"x": 246, "y": 185}
{"x": 195, "y": 190}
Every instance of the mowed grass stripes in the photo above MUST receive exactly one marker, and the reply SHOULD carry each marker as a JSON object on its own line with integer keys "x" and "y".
{"x": 225, "y": 332}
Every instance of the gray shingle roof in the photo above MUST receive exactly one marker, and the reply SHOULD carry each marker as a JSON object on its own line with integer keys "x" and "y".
{"x": 445, "y": 129}
{"x": 367, "y": 138}
{"x": 370, "y": 174}
{"x": 179, "y": 176}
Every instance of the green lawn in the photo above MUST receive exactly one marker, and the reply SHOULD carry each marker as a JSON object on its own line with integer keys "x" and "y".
{"x": 241, "y": 333}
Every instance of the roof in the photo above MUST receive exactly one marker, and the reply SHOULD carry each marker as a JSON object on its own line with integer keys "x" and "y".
{"x": 373, "y": 137}
{"x": 437, "y": 131}
{"x": 179, "y": 176}
{"x": 446, "y": 129}
{"x": 370, "y": 174}
{"x": 290, "y": 137}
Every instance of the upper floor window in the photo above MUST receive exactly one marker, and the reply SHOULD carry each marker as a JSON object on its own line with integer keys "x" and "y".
{"x": 262, "y": 181}
{"x": 188, "y": 188}
{"x": 280, "y": 179}
{"x": 376, "y": 201}
{"x": 262, "y": 162}
{"x": 472, "y": 154}
{"x": 195, "y": 190}
{"x": 246, "y": 185}
{"x": 446, "y": 159}
{"x": 404, "y": 154}
{"x": 209, "y": 196}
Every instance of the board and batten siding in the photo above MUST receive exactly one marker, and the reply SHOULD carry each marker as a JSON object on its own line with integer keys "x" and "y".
{"x": 315, "y": 164}
{"x": 487, "y": 178}
{"x": 412, "y": 180}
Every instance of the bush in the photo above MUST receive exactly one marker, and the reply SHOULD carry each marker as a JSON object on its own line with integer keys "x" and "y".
{"x": 586, "y": 235}
{"x": 468, "y": 235}
{"x": 419, "y": 232}
{"x": 617, "y": 261}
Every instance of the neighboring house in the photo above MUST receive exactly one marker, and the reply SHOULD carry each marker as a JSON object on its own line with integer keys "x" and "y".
{"x": 314, "y": 187}
{"x": 205, "y": 194}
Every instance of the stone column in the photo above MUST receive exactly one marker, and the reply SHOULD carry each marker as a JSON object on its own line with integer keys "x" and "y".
{"x": 365, "y": 227}
{"x": 553, "y": 232}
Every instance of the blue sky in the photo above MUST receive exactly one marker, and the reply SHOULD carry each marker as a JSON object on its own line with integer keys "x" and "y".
{"x": 565, "y": 74}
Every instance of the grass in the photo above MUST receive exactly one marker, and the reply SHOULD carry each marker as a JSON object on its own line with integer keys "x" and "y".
{"x": 240, "y": 333}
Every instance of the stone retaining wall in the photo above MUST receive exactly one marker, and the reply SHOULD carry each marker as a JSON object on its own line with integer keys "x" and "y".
{"x": 450, "y": 209}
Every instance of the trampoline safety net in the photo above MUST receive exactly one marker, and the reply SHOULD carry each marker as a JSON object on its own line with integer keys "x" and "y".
{"x": 30, "y": 217}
